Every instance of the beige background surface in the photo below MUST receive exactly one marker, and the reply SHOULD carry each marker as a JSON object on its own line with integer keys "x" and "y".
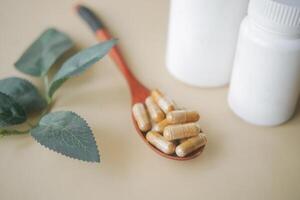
{"x": 241, "y": 161}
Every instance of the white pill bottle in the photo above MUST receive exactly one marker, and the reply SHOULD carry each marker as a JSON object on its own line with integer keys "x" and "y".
{"x": 202, "y": 40}
{"x": 265, "y": 82}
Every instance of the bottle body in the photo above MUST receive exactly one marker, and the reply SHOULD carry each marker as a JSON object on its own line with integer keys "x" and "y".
{"x": 202, "y": 39}
{"x": 265, "y": 82}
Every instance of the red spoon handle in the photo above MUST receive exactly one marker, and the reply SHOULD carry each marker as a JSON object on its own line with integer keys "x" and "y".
{"x": 138, "y": 91}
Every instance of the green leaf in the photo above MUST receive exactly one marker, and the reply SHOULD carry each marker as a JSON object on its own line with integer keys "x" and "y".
{"x": 42, "y": 54}
{"x": 11, "y": 113}
{"x": 68, "y": 134}
{"x": 24, "y": 93}
{"x": 78, "y": 63}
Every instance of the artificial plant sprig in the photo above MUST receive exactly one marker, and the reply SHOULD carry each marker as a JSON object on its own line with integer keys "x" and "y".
{"x": 65, "y": 131}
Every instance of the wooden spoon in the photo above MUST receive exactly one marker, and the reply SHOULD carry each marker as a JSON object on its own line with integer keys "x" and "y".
{"x": 139, "y": 92}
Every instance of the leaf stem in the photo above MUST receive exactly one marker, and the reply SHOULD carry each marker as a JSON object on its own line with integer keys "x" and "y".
{"x": 6, "y": 132}
{"x": 46, "y": 84}
{"x": 30, "y": 124}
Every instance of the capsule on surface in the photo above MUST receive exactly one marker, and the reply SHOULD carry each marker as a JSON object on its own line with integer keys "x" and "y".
{"x": 182, "y": 116}
{"x": 160, "y": 142}
{"x": 162, "y": 101}
{"x": 191, "y": 145}
{"x": 141, "y": 117}
{"x": 155, "y": 112}
{"x": 159, "y": 127}
{"x": 179, "y": 131}
{"x": 183, "y": 140}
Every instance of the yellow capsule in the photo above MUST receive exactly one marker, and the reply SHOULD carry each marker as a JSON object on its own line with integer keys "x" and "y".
{"x": 190, "y": 145}
{"x": 182, "y": 116}
{"x": 141, "y": 117}
{"x": 183, "y": 140}
{"x": 179, "y": 131}
{"x": 160, "y": 142}
{"x": 155, "y": 112}
{"x": 159, "y": 127}
{"x": 162, "y": 101}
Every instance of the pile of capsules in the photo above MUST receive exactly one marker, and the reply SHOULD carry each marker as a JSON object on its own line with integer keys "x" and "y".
{"x": 169, "y": 129}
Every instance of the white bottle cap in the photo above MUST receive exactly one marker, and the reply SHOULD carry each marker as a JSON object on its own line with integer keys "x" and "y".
{"x": 282, "y": 16}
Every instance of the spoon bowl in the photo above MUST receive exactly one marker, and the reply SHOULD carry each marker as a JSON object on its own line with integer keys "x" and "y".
{"x": 139, "y": 92}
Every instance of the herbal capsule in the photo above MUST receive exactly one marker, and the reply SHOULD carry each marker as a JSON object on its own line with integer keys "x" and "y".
{"x": 155, "y": 112}
{"x": 179, "y": 131}
{"x": 190, "y": 145}
{"x": 141, "y": 117}
{"x": 160, "y": 142}
{"x": 164, "y": 103}
{"x": 183, "y": 140}
{"x": 182, "y": 116}
{"x": 160, "y": 126}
